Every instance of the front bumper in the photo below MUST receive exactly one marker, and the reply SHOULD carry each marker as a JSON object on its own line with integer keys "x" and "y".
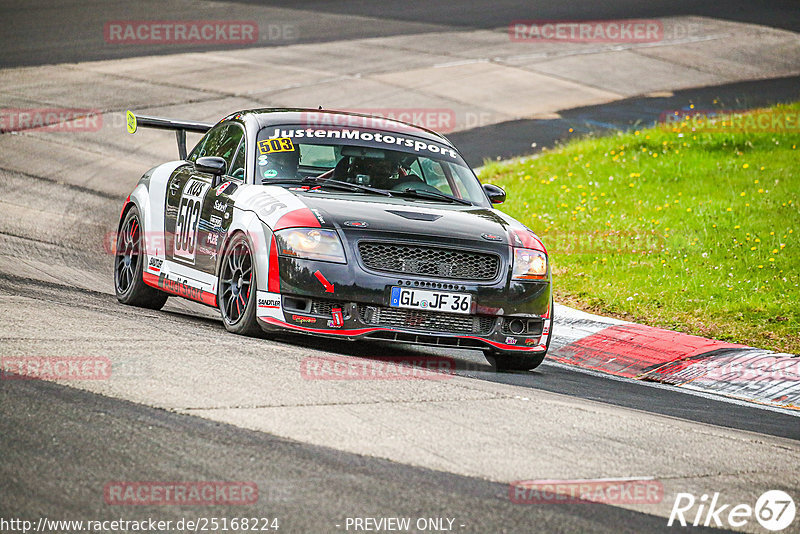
{"x": 506, "y": 315}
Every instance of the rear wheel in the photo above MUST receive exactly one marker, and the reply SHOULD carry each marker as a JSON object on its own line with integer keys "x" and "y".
{"x": 237, "y": 288}
{"x": 129, "y": 266}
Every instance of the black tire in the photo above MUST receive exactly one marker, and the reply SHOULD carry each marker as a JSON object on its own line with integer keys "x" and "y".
{"x": 236, "y": 292}
{"x": 513, "y": 361}
{"x": 508, "y": 361}
{"x": 129, "y": 266}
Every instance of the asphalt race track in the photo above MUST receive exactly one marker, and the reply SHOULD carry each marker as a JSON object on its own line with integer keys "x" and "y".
{"x": 42, "y": 32}
{"x": 187, "y": 401}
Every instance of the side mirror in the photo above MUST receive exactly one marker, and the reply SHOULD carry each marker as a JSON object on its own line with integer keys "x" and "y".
{"x": 211, "y": 165}
{"x": 496, "y": 194}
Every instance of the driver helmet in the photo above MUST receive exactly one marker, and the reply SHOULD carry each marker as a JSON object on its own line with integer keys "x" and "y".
{"x": 380, "y": 172}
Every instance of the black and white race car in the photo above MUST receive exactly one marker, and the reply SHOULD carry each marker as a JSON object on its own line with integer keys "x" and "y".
{"x": 335, "y": 224}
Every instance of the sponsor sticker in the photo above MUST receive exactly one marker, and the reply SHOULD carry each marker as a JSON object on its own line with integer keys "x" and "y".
{"x": 318, "y": 215}
{"x": 511, "y": 341}
{"x": 387, "y": 140}
{"x": 179, "y": 288}
{"x": 154, "y": 264}
{"x": 338, "y": 318}
{"x": 222, "y": 187}
{"x": 269, "y": 303}
{"x": 130, "y": 120}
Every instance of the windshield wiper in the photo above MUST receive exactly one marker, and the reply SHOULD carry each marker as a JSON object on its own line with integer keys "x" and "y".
{"x": 359, "y": 187}
{"x": 437, "y": 195}
{"x": 333, "y": 184}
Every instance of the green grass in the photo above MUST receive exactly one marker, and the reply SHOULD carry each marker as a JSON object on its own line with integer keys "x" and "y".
{"x": 695, "y": 232}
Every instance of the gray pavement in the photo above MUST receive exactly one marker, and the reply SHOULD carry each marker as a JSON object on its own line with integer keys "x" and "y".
{"x": 62, "y": 194}
{"x": 91, "y": 441}
{"x": 42, "y": 32}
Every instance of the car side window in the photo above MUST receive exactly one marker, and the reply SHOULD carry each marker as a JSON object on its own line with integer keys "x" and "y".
{"x": 222, "y": 141}
{"x": 236, "y": 170}
{"x": 199, "y": 150}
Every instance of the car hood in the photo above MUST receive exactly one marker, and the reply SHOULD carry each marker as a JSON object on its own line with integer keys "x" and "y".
{"x": 411, "y": 217}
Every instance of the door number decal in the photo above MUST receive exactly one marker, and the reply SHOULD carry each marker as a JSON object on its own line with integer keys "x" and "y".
{"x": 188, "y": 221}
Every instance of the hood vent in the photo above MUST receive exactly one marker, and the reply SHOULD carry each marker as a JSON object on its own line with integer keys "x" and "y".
{"x": 415, "y": 216}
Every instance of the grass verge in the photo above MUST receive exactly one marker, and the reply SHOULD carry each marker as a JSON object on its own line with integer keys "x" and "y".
{"x": 694, "y": 231}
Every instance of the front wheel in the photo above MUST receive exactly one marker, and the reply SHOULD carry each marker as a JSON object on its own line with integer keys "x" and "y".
{"x": 236, "y": 295}
{"x": 129, "y": 266}
{"x": 505, "y": 361}
{"x": 513, "y": 361}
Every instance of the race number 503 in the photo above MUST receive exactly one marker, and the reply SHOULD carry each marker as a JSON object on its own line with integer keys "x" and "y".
{"x": 188, "y": 221}
{"x": 279, "y": 144}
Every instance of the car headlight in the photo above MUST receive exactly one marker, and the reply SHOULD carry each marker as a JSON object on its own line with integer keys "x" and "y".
{"x": 311, "y": 244}
{"x": 529, "y": 264}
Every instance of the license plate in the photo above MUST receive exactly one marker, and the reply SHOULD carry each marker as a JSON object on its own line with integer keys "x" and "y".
{"x": 420, "y": 299}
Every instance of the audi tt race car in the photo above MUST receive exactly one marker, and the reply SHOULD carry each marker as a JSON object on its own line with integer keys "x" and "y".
{"x": 335, "y": 224}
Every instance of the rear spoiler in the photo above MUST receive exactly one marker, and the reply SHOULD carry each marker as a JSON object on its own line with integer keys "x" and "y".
{"x": 180, "y": 127}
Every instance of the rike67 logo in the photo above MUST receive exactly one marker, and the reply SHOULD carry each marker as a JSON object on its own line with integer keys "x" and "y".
{"x": 774, "y": 510}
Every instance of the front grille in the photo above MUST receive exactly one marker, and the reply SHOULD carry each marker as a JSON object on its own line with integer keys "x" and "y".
{"x": 429, "y": 261}
{"x": 427, "y": 321}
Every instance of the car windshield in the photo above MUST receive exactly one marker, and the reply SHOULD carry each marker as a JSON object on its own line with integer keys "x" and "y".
{"x": 402, "y": 164}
